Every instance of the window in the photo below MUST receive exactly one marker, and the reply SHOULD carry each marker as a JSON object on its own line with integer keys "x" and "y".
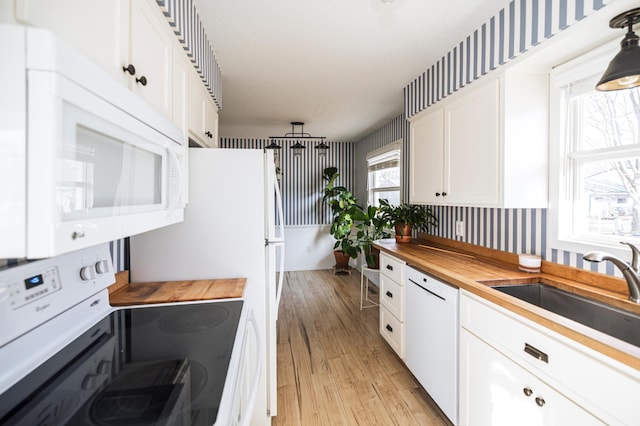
{"x": 595, "y": 178}
{"x": 383, "y": 175}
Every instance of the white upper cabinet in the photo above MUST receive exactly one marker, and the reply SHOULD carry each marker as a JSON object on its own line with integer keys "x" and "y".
{"x": 471, "y": 156}
{"x": 484, "y": 146}
{"x": 427, "y": 159}
{"x": 203, "y": 114}
{"x": 151, "y": 43}
{"x": 99, "y": 30}
{"x": 131, "y": 40}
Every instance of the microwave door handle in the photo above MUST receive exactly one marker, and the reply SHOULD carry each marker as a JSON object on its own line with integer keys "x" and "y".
{"x": 176, "y": 197}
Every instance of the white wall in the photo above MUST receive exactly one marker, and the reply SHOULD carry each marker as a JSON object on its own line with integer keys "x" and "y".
{"x": 311, "y": 248}
{"x": 308, "y": 248}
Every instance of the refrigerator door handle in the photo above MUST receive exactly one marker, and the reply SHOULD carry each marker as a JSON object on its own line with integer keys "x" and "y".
{"x": 280, "y": 280}
{"x": 278, "y": 200}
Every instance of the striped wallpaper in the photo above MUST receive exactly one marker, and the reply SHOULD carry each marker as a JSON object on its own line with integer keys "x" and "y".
{"x": 302, "y": 182}
{"x": 187, "y": 26}
{"x": 509, "y": 33}
{"x": 511, "y": 230}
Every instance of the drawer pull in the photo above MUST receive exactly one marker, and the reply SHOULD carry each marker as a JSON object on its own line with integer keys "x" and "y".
{"x": 536, "y": 353}
{"x": 539, "y": 401}
{"x": 389, "y": 267}
{"x": 388, "y": 327}
{"x": 389, "y": 294}
{"x": 527, "y": 391}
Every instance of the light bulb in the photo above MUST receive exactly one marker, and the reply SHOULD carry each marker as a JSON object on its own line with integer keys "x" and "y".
{"x": 628, "y": 81}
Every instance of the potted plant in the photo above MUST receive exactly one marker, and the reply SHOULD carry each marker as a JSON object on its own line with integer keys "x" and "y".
{"x": 406, "y": 217}
{"x": 345, "y": 212}
{"x": 372, "y": 227}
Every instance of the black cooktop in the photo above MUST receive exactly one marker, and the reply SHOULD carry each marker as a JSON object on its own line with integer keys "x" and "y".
{"x": 159, "y": 365}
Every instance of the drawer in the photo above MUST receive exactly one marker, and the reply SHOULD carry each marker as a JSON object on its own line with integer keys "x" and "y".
{"x": 610, "y": 388}
{"x": 392, "y": 268}
{"x": 392, "y": 330}
{"x": 392, "y": 296}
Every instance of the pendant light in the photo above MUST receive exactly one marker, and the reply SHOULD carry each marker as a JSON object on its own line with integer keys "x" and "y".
{"x": 624, "y": 69}
{"x": 297, "y": 148}
{"x": 322, "y": 149}
{"x": 273, "y": 145}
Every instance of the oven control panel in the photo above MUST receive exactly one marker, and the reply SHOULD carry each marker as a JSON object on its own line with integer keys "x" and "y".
{"x": 31, "y": 288}
{"x": 34, "y": 292}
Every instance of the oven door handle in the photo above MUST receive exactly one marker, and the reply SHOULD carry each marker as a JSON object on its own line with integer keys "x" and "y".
{"x": 248, "y": 410}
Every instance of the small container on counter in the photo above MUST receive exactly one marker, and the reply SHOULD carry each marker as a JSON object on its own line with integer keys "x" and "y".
{"x": 529, "y": 263}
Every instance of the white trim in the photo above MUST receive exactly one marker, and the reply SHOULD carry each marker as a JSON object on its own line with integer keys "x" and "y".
{"x": 380, "y": 152}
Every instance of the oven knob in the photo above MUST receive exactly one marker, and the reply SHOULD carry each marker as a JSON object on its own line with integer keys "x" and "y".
{"x": 90, "y": 382}
{"x": 88, "y": 273}
{"x": 102, "y": 266}
{"x": 104, "y": 367}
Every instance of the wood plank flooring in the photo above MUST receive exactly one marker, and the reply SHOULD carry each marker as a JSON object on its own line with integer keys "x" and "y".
{"x": 334, "y": 368}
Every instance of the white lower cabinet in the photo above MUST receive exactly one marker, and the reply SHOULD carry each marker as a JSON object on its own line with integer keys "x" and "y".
{"x": 392, "y": 272}
{"x": 495, "y": 391}
{"x": 514, "y": 371}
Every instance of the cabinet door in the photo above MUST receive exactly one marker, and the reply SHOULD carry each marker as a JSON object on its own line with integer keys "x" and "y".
{"x": 201, "y": 112}
{"x": 426, "y": 167}
{"x": 97, "y": 29}
{"x": 151, "y": 53}
{"x": 495, "y": 391}
{"x": 210, "y": 122}
{"x": 472, "y": 165}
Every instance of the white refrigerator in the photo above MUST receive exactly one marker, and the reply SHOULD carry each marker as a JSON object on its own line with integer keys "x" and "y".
{"x": 233, "y": 227}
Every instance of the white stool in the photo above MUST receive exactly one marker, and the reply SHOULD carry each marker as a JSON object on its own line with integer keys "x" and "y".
{"x": 365, "y": 302}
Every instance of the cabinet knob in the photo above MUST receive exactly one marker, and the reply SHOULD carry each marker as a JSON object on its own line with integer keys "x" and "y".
{"x": 540, "y": 401}
{"x": 130, "y": 69}
{"x": 389, "y": 267}
{"x": 142, "y": 80}
{"x": 437, "y": 194}
{"x": 527, "y": 391}
{"x": 209, "y": 134}
{"x": 389, "y": 294}
{"x": 444, "y": 194}
{"x": 388, "y": 327}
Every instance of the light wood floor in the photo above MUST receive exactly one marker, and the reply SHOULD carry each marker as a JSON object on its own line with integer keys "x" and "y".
{"x": 334, "y": 368}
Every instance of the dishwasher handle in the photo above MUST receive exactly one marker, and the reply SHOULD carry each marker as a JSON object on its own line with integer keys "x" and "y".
{"x": 428, "y": 291}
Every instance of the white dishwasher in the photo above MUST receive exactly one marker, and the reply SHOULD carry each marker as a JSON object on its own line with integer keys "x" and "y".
{"x": 431, "y": 338}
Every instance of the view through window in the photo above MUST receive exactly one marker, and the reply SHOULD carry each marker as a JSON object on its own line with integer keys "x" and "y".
{"x": 600, "y": 174}
{"x": 383, "y": 181}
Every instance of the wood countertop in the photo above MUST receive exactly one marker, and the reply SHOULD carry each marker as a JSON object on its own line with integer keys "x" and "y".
{"x": 474, "y": 268}
{"x": 175, "y": 291}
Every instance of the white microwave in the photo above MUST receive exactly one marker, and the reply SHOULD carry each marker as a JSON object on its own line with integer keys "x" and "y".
{"x": 82, "y": 159}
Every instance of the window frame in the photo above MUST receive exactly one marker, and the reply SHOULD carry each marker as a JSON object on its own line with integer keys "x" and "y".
{"x": 382, "y": 152}
{"x": 561, "y": 168}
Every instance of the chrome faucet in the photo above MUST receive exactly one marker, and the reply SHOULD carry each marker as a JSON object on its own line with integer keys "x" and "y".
{"x": 630, "y": 272}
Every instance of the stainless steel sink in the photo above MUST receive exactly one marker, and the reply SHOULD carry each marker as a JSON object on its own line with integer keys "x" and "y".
{"x": 610, "y": 320}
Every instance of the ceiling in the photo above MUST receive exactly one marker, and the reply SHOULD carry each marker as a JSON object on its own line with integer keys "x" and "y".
{"x": 339, "y": 66}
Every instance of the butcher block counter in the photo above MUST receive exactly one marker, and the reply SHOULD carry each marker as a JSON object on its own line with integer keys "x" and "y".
{"x": 125, "y": 294}
{"x": 475, "y": 269}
